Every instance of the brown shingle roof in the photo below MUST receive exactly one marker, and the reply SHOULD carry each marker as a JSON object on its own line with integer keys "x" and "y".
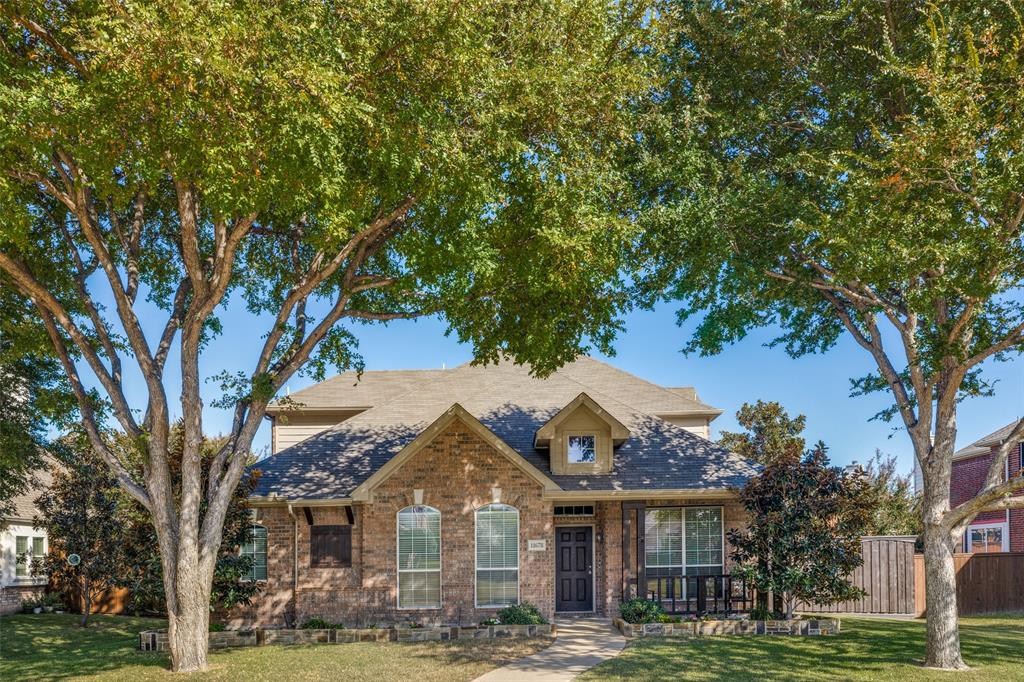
{"x": 25, "y": 504}
{"x": 351, "y": 390}
{"x": 513, "y": 404}
{"x": 983, "y": 445}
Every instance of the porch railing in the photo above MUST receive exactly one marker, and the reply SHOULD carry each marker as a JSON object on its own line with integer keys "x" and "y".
{"x": 700, "y": 594}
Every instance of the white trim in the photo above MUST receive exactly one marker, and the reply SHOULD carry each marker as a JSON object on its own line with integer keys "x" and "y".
{"x": 682, "y": 518}
{"x": 1004, "y": 526}
{"x": 593, "y": 566}
{"x": 519, "y": 558}
{"x": 266, "y": 553}
{"x": 569, "y": 435}
{"x": 438, "y": 570}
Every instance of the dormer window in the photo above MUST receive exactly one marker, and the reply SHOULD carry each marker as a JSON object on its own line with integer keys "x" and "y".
{"x": 582, "y": 449}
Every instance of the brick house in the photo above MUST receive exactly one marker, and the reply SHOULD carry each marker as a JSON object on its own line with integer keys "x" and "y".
{"x": 998, "y": 531}
{"x": 440, "y": 496}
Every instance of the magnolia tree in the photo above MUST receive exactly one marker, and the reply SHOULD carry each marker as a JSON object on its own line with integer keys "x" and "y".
{"x": 851, "y": 171}
{"x": 803, "y": 539}
{"x": 320, "y": 164}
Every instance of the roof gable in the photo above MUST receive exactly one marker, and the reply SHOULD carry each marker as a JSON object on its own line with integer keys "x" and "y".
{"x": 546, "y": 432}
{"x": 455, "y": 413}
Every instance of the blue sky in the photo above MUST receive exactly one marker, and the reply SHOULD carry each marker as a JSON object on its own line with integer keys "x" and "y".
{"x": 817, "y": 386}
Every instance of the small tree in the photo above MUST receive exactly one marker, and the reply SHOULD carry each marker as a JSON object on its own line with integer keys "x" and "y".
{"x": 80, "y": 513}
{"x": 803, "y": 538}
{"x": 896, "y": 510}
{"x": 771, "y": 435}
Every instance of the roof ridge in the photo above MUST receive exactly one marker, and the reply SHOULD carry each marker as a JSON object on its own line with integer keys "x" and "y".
{"x": 662, "y": 389}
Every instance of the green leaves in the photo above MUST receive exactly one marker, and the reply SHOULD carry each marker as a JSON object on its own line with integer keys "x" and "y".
{"x": 824, "y": 168}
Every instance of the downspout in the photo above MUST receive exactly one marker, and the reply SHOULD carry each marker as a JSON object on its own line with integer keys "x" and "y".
{"x": 295, "y": 563}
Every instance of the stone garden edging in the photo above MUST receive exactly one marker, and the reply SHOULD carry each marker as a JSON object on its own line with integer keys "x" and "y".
{"x": 804, "y": 628}
{"x": 156, "y": 640}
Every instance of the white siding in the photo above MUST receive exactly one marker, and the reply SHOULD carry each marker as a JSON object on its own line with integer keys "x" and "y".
{"x": 698, "y": 425}
{"x": 299, "y": 427}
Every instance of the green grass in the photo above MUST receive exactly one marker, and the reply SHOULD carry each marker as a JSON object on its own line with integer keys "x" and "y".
{"x": 52, "y": 647}
{"x": 867, "y": 649}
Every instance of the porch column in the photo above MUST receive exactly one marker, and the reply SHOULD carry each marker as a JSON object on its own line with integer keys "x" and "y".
{"x": 634, "y": 579}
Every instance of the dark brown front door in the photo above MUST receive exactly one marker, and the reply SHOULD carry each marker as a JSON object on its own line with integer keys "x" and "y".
{"x": 574, "y": 569}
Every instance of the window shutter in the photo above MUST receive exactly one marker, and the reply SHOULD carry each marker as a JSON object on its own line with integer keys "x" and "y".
{"x": 330, "y": 546}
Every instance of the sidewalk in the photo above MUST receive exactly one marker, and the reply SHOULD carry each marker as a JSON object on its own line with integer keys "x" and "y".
{"x": 580, "y": 644}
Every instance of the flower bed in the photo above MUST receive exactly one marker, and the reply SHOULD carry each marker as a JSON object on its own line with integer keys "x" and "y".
{"x": 156, "y": 640}
{"x": 805, "y": 628}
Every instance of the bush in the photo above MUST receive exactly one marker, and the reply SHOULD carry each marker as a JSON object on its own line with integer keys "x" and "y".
{"x": 521, "y": 614}
{"x": 765, "y": 613}
{"x": 316, "y": 624}
{"x": 31, "y": 603}
{"x": 638, "y": 611}
{"x": 489, "y": 621}
{"x": 217, "y": 627}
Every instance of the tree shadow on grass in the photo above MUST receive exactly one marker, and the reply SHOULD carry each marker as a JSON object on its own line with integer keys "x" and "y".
{"x": 53, "y": 647}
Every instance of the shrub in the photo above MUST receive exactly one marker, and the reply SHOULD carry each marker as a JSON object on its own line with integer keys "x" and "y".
{"x": 521, "y": 614}
{"x": 637, "y": 611}
{"x": 28, "y": 604}
{"x": 217, "y": 627}
{"x": 765, "y": 613}
{"x": 489, "y": 621}
{"x": 316, "y": 624}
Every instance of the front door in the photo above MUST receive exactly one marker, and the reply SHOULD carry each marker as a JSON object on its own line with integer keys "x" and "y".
{"x": 574, "y": 569}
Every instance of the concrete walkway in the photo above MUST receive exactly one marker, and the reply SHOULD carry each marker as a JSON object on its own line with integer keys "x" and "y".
{"x": 580, "y": 644}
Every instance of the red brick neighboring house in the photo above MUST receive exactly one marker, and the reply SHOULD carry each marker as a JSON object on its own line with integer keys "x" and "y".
{"x": 999, "y": 531}
{"x": 441, "y": 496}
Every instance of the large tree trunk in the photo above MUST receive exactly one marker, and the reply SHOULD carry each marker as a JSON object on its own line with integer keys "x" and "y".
{"x": 189, "y": 621}
{"x": 942, "y": 646}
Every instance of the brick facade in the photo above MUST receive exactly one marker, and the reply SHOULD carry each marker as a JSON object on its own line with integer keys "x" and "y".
{"x": 967, "y": 479}
{"x": 11, "y": 597}
{"x": 458, "y": 472}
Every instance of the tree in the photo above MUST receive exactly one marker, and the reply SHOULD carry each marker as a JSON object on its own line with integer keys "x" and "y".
{"x": 322, "y": 164}
{"x": 850, "y": 171}
{"x": 143, "y": 575}
{"x": 80, "y": 513}
{"x": 895, "y": 505}
{"x": 33, "y": 396}
{"x": 802, "y": 540}
{"x": 771, "y": 435}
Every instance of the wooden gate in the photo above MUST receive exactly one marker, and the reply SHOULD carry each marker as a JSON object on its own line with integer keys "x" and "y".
{"x": 887, "y": 576}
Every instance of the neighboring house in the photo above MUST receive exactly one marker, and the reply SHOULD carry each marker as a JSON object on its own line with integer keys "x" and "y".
{"x": 444, "y": 495}
{"x": 998, "y": 531}
{"x": 20, "y": 539}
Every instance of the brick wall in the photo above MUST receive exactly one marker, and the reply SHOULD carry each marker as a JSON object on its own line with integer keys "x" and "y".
{"x": 457, "y": 472}
{"x": 967, "y": 478}
{"x": 11, "y": 597}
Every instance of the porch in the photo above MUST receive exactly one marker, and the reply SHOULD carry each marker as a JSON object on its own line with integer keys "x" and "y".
{"x": 676, "y": 554}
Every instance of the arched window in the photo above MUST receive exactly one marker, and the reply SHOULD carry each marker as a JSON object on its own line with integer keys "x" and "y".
{"x": 419, "y": 558}
{"x": 497, "y": 555}
{"x": 256, "y": 548}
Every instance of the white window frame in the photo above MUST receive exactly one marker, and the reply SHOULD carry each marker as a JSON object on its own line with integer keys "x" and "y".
{"x": 400, "y": 570}
{"x": 1000, "y": 525}
{"x": 721, "y": 519}
{"x": 476, "y": 556}
{"x": 682, "y": 538}
{"x": 266, "y": 553}
{"x": 28, "y": 577}
{"x": 580, "y": 434}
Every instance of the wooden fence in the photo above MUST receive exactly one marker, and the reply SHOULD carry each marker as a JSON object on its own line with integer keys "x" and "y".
{"x": 887, "y": 575}
{"x": 985, "y": 583}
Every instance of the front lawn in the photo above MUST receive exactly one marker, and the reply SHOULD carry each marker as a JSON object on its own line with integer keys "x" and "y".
{"x": 52, "y": 647}
{"x": 867, "y": 649}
